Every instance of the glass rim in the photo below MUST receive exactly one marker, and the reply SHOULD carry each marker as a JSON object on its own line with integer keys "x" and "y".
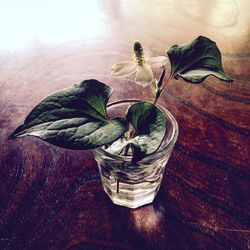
{"x": 154, "y": 155}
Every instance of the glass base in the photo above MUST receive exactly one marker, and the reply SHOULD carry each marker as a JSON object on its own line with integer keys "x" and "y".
{"x": 132, "y": 196}
{"x": 132, "y": 186}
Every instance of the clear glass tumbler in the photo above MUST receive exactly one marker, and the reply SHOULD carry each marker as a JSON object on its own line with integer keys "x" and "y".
{"x": 134, "y": 185}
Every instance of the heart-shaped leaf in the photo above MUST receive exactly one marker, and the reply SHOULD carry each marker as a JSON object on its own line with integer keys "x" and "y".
{"x": 150, "y": 126}
{"x": 196, "y": 60}
{"x": 74, "y": 118}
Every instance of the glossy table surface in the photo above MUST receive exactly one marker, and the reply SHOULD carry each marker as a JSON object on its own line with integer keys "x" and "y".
{"x": 52, "y": 198}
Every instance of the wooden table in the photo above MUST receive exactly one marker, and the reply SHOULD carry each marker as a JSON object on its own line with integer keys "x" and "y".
{"x": 52, "y": 198}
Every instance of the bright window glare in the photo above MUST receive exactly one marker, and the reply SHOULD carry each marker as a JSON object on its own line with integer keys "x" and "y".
{"x": 50, "y": 21}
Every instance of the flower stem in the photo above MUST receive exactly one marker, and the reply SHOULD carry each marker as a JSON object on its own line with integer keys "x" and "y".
{"x": 166, "y": 83}
{"x": 156, "y": 97}
{"x": 158, "y": 93}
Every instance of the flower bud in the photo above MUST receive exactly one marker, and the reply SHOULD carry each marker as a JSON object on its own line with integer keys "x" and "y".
{"x": 138, "y": 52}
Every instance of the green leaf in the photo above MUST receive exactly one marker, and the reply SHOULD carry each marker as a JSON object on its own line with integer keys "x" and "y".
{"x": 74, "y": 118}
{"x": 196, "y": 60}
{"x": 150, "y": 126}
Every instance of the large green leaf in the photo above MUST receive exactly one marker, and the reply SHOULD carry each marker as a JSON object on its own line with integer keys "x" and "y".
{"x": 74, "y": 118}
{"x": 150, "y": 127}
{"x": 196, "y": 60}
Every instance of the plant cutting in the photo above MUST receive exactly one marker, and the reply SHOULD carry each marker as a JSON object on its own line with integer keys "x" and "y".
{"x": 131, "y": 139}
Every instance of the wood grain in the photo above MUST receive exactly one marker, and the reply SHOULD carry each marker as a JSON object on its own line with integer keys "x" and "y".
{"x": 51, "y": 198}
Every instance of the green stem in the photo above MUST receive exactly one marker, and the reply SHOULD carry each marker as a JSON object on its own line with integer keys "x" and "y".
{"x": 166, "y": 83}
{"x": 158, "y": 92}
{"x": 157, "y": 96}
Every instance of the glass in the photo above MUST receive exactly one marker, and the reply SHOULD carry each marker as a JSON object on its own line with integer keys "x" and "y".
{"x": 134, "y": 185}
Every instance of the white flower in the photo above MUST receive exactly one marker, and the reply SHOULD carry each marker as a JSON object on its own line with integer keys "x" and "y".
{"x": 140, "y": 66}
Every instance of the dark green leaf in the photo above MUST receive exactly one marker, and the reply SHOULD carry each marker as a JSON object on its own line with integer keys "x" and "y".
{"x": 196, "y": 60}
{"x": 150, "y": 126}
{"x": 74, "y": 118}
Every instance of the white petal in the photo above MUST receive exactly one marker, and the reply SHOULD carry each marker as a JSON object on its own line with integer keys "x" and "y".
{"x": 123, "y": 68}
{"x": 157, "y": 62}
{"x": 144, "y": 75}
